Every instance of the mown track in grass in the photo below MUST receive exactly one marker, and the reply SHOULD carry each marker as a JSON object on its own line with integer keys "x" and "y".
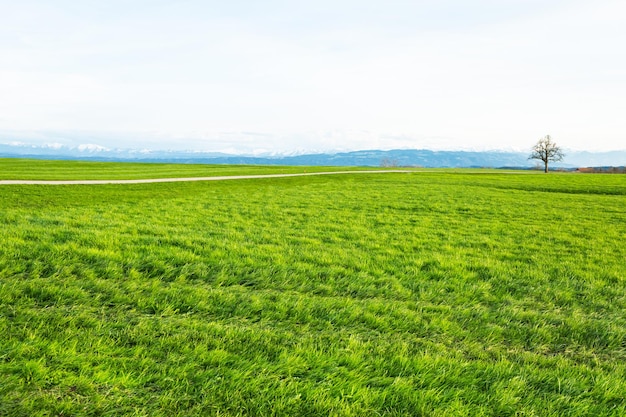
{"x": 402, "y": 294}
{"x": 190, "y": 179}
{"x": 28, "y": 169}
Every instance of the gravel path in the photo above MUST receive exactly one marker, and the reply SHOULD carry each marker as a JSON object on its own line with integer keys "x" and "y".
{"x": 153, "y": 180}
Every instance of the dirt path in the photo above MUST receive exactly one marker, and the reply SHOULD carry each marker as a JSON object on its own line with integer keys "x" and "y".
{"x": 153, "y": 180}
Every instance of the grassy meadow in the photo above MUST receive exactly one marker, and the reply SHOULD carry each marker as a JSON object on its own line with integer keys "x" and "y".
{"x": 31, "y": 169}
{"x": 402, "y": 294}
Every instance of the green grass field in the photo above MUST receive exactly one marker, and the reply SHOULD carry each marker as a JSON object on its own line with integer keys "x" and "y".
{"x": 30, "y": 169}
{"x": 417, "y": 294}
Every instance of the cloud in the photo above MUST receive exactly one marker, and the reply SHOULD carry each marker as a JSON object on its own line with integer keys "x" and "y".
{"x": 478, "y": 73}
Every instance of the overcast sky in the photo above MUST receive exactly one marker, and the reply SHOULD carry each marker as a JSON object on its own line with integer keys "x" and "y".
{"x": 271, "y": 75}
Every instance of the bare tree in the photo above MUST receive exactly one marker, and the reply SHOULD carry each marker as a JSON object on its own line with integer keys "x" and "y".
{"x": 547, "y": 150}
{"x": 388, "y": 162}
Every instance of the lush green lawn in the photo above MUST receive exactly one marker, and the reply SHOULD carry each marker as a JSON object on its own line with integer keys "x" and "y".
{"x": 399, "y": 294}
{"x": 28, "y": 169}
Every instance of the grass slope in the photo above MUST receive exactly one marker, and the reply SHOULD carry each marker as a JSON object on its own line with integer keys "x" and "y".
{"x": 30, "y": 169}
{"x": 433, "y": 294}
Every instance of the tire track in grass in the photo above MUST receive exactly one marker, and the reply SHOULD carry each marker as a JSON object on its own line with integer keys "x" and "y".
{"x": 186, "y": 179}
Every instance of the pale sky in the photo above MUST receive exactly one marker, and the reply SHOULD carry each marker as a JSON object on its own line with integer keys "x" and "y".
{"x": 284, "y": 76}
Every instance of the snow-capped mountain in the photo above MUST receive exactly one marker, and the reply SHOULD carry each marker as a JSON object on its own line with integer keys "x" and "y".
{"x": 400, "y": 157}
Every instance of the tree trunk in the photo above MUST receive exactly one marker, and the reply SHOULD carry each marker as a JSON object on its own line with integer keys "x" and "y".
{"x": 546, "y": 169}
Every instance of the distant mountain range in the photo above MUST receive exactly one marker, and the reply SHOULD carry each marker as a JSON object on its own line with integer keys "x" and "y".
{"x": 399, "y": 157}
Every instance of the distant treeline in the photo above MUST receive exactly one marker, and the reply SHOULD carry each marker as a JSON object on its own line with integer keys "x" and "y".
{"x": 603, "y": 170}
